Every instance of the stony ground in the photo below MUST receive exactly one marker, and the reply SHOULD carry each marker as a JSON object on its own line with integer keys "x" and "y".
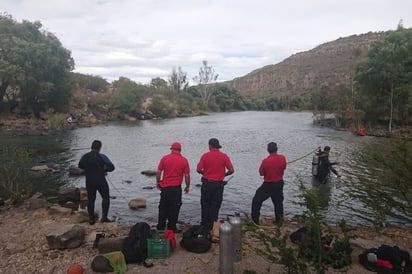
{"x": 24, "y": 249}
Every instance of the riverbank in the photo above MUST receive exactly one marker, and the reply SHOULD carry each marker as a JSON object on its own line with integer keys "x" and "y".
{"x": 12, "y": 124}
{"x": 24, "y": 248}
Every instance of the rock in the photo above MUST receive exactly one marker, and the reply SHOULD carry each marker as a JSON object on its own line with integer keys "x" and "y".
{"x": 137, "y": 203}
{"x": 35, "y": 203}
{"x": 56, "y": 209}
{"x": 53, "y": 167}
{"x": 83, "y": 194}
{"x": 149, "y": 172}
{"x": 69, "y": 194}
{"x": 40, "y": 168}
{"x": 50, "y": 167}
{"x": 37, "y": 195}
{"x": 70, "y": 204}
{"x": 66, "y": 236}
{"x": 80, "y": 217}
{"x": 74, "y": 170}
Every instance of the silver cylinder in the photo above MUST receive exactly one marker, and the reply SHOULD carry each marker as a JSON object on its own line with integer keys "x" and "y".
{"x": 226, "y": 248}
{"x": 315, "y": 165}
{"x": 237, "y": 237}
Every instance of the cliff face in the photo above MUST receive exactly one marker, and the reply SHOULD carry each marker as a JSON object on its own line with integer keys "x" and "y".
{"x": 329, "y": 64}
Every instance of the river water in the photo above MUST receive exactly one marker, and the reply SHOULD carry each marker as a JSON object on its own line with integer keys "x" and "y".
{"x": 137, "y": 146}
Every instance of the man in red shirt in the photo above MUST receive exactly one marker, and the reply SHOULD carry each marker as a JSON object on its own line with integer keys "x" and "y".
{"x": 169, "y": 177}
{"x": 272, "y": 169}
{"x": 214, "y": 166}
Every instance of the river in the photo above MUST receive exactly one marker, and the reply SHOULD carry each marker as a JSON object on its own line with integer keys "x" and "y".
{"x": 137, "y": 146}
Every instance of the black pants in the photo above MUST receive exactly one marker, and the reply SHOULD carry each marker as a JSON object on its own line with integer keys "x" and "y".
{"x": 169, "y": 207}
{"x": 210, "y": 201}
{"x": 103, "y": 189}
{"x": 266, "y": 190}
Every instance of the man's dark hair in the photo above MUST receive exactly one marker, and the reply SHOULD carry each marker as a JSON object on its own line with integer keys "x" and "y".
{"x": 96, "y": 145}
{"x": 326, "y": 148}
{"x": 272, "y": 147}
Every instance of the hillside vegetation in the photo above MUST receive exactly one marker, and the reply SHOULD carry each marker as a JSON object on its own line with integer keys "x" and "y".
{"x": 330, "y": 64}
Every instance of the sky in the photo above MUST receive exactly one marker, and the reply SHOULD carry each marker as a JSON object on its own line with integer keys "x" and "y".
{"x": 146, "y": 39}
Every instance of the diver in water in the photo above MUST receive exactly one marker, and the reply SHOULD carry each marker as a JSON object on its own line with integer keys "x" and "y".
{"x": 325, "y": 166}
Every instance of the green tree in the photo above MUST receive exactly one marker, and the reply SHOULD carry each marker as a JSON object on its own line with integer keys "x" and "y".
{"x": 206, "y": 76}
{"x": 128, "y": 96}
{"x": 178, "y": 80}
{"x": 158, "y": 83}
{"x": 92, "y": 82}
{"x": 35, "y": 63}
{"x": 386, "y": 76}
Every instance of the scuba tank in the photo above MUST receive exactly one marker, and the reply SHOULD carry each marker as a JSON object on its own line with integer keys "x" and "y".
{"x": 315, "y": 165}
{"x": 237, "y": 236}
{"x": 226, "y": 248}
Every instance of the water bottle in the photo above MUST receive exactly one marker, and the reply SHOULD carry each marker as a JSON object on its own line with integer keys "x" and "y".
{"x": 237, "y": 237}
{"x": 226, "y": 248}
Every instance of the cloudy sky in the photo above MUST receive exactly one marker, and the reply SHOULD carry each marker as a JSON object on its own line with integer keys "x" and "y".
{"x": 145, "y": 39}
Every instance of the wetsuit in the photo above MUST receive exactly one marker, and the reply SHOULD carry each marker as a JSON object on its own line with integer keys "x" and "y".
{"x": 96, "y": 165}
{"x": 325, "y": 166}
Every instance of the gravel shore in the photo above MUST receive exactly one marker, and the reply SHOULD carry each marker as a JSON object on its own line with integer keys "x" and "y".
{"x": 24, "y": 248}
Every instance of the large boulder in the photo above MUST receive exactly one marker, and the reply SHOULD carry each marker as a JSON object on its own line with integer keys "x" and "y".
{"x": 74, "y": 170}
{"x": 65, "y": 236}
{"x": 69, "y": 194}
{"x": 37, "y": 201}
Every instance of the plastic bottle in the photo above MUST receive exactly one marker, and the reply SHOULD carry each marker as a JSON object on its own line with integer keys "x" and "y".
{"x": 226, "y": 248}
{"x": 237, "y": 237}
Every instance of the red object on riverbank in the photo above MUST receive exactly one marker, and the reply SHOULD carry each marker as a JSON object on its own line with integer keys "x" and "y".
{"x": 361, "y": 132}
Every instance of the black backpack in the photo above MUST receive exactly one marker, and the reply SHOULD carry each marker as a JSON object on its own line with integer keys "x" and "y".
{"x": 135, "y": 245}
{"x": 399, "y": 260}
{"x": 196, "y": 239}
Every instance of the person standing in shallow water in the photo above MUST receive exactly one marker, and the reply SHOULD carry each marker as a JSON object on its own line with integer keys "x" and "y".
{"x": 96, "y": 165}
{"x": 325, "y": 166}
{"x": 214, "y": 167}
{"x": 272, "y": 169}
{"x": 171, "y": 170}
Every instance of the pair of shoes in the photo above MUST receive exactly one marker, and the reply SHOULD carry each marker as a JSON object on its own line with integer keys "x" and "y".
{"x": 106, "y": 220}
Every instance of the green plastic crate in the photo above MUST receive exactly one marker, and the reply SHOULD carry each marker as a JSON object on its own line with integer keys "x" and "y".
{"x": 158, "y": 247}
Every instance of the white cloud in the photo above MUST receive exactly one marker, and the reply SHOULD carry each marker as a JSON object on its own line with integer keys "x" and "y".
{"x": 144, "y": 39}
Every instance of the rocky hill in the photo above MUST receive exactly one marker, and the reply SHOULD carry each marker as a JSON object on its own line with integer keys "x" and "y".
{"x": 329, "y": 64}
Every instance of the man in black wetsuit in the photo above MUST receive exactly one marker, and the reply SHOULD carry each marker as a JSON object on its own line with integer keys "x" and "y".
{"x": 325, "y": 166}
{"x": 96, "y": 165}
